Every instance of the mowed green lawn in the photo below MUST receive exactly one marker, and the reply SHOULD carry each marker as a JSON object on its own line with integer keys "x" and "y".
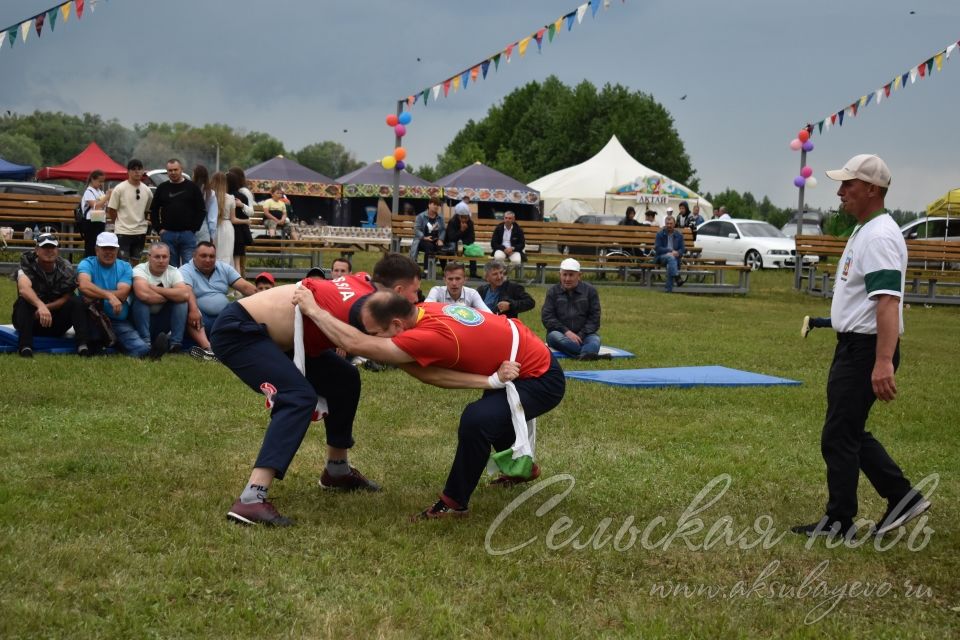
{"x": 119, "y": 473}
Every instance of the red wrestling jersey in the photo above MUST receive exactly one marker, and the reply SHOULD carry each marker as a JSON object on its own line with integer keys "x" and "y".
{"x": 336, "y": 296}
{"x": 461, "y": 338}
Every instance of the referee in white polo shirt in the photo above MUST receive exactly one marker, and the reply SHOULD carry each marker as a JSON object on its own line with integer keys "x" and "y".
{"x": 867, "y": 313}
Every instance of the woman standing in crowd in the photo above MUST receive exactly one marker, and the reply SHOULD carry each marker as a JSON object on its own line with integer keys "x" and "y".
{"x": 207, "y": 232}
{"x": 226, "y": 217}
{"x": 237, "y": 186}
{"x": 94, "y": 211}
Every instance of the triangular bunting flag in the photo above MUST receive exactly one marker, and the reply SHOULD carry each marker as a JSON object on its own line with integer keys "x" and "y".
{"x": 929, "y": 66}
{"x": 446, "y": 88}
{"x": 38, "y": 21}
{"x": 863, "y": 101}
{"x": 52, "y": 18}
{"x": 606, "y": 4}
{"x": 509, "y": 51}
{"x": 581, "y": 10}
{"x": 425, "y": 94}
{"x": 12, "y": 36}
{"x": 903, "y": 78}
{"x": 840, "y": 117}
{"x": 464, "y": 78}
{"x": 886, "y": 90}
{"x": 869, "y": 98}
{"x": 496, "y": 62}
{"x": 594, "y": 5}
{"x": 826, "y": 124}
{"x": 879, "y": 95}
{"x": 436, "y": 91}
{"x": 570, "y": 17}
{"x": 922, "y": 69}
{"x": 853, "y": 110}
{"x": 913, "y": 76}
{"x": 483, "y": 67}
{"x": 522, "y": 46}
{"x": 550, "y": 32}
{"x": 79, "y": 4}
{"x": 833, "y": 118}
{"x": 65, "y": 10}
{"x": 820, "y": 127}
{"x": 539, "y": 38}
{"x": 3, "y": 38}
{"x": 411, "y": 100}
{"x": 950, "y": 50}
{"x": 25, "y": 29}
{"x": 474, "y": 73}
{"x": 939, "y": 60}
{"x": 456, "y": 83}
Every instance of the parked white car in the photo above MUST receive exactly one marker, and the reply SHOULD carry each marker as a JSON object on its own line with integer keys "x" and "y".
{"x": 935, "y": 228}
{"x": 754, "y": 243}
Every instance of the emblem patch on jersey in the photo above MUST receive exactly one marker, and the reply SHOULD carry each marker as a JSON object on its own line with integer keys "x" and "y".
{"x": 846, "y": 267}
{"x": 464, "y": 315}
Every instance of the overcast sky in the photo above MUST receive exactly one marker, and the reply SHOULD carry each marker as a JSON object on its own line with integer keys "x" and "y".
{"x": 753, "y": 71}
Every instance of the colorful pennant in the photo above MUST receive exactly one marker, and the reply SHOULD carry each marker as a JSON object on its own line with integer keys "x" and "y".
{"x": 923, "y": 70}
{"x": 47, "y": 18}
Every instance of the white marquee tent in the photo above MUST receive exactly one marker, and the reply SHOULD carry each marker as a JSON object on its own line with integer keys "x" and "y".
{"x": 609, "y": 182}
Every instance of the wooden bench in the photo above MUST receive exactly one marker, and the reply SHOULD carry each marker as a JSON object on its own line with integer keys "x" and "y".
{"x": 933, "y": 268}
{"x": 23, "y": 209}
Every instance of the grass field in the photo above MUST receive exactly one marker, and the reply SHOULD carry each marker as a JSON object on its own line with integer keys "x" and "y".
{"x": 120, "y": 472}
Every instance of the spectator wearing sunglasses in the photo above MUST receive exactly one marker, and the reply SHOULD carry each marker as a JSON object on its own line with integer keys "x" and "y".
{"x": 128, "y": 207}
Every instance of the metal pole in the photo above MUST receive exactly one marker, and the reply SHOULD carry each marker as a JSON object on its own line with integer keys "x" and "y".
{"x": 395, "y": 208}
{"x": 797, "y": 267}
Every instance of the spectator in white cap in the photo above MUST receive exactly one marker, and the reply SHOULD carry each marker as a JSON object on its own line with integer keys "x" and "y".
{"x": 867, "y": 314}
{"x": 571, "y": 315}
{"x": 106, "y": 284}
{"x": 460, "y": 229}
{"x": 669, "y": 214}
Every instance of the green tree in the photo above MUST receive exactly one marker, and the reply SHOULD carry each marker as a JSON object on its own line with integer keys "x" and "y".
{"x": 329, "y": 158}
{"x": 20, "y": 149}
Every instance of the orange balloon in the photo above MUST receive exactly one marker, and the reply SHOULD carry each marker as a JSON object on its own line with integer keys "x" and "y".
{"x": 392, "y": 120}
{"x": 399, "y": 153}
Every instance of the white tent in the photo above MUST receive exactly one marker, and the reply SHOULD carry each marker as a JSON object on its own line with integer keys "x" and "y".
{"x": 609, "y": 182}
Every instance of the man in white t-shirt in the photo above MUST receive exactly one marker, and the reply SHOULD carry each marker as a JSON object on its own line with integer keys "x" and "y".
{"x": 160, "y": 298}
{"x": 128, "y": 208}
{"x": 867, "y": 314}
{"x": 453, "y": 289}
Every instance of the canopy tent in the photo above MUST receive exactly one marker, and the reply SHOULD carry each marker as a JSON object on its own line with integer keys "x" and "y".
{"x": 365, "y": 186}
{"x": 302, "y": 185}
{"x": 608, "y": 183}
{"x": 492, "y": 191}
{"x": 12, "y": 171}
{"x": 80, "y": 166}
{"x": 945, "y": 206}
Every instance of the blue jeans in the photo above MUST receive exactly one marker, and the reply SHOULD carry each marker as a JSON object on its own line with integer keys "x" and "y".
{"x": 672, "y": 268}
{"x": 128, "y": 340}
{"x": 172, "y": 317}
{"x": 557, "y": 340}
{"x": 182, "y": 244}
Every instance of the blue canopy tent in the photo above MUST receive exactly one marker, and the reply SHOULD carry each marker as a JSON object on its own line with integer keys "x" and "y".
{"x": 311, "y": 193}
{"x": 492, "y": 192}
{"x": 11, "y": 171}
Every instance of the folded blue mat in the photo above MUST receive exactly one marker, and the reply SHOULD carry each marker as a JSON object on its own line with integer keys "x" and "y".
{"x": 613, "y": 351}
{"x": 8, "y": 342}
{"x": 711, "y": 376}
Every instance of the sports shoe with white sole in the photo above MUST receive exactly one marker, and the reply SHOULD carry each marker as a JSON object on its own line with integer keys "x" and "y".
{"x": 353, "y": 481}
{"x": 805, "y": 327}
{"x": 203, "y": 355}
{"x": 257, "y": 513}
{"x": 900, "y": 514}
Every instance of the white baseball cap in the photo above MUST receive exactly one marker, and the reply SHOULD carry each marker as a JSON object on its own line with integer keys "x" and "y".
{"x": 108, "y": 239}
{"x": 570, "y": 265}
{"x": 669, "y": 209}
{"x": 867, "y": 167}
{"x": 462, "y": 209}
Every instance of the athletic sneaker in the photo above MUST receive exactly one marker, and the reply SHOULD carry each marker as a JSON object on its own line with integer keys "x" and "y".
{"x": 439, "y": 510}
{"x": 257, "y": 513}
{"x": 805, "y": 328}
{"x": 353, "y": 481}
{"x": 26, "y": 352}
{"x": 896, "y": 515}
{"x": 159, "y": 347}
{"x": 503, "y": 480}
{"x": 203, "y": 355}
{"x": 827, "y": 528}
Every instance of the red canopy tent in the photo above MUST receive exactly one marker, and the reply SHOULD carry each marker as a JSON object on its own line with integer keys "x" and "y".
{"x": 80, "y": 166}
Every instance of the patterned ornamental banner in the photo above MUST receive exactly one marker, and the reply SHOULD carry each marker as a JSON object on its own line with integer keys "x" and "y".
{"x": 313, "y": 189}
{"x": 479, "y": 194}
{"x": 386, "y": 191}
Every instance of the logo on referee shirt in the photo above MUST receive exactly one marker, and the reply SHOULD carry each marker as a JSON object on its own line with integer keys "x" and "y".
{"x": 464, "y": 315}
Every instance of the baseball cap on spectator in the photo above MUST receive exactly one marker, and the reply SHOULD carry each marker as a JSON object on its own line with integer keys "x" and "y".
{"x": 461, "y": 209}
{"x": 867, "y": 167}
{"x": 316, "y": 272}
{"x": 264, "y": 275}
{"x": 47, "y": 240}
{"x": 569, "y": 265}
{"x": 669, "y": 211}
{"x": 108, "y": 239}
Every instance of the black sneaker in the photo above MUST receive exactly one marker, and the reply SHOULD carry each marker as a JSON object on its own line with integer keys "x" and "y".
{"x": 588, "y": 357}
{"x": 257, "y": 513}
{"x": 901, "y": 513}
{"x": 439, "y": 511}
{"x": 203, "y": 355}
{"x": 353, "y": 481}
{"x": 83, "y": 351}
{"x": 159, "y": 347}
{"x": 827, "y": 528}
{"x": 175, "y": 347}
{"x": 26, "y": 352}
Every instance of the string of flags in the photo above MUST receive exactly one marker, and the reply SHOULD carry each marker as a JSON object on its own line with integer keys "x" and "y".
{"x": 47, "y": 18}
{"x": 518, "y": 47}
{"x": 923, "y": 70}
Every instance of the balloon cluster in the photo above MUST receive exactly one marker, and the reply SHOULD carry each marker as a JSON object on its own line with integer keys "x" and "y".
{"x": 803, "y": 141}
{"x": 399, "y": 124}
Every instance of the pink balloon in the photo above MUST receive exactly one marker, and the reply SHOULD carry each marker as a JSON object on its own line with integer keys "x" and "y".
{"x": 806, "y": 172}
{"x": 400, "y": 130}
{"x": 795, "y": 144}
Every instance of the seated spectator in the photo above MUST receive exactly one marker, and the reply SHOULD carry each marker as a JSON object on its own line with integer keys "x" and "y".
{"x": 274, "y": 211}
{"x": 460, "y": 230}
{"x": 45, "y": 304}
{"x": 428, "y": 232}
{"x": 500, "y": 295}
{"x": 453, "y": 290}
{"x": 668, "y": 247}
{"x": 649, "y": 218}
{"x": 571, "y": 314}
{"x": 340, "y": 267}
{"x": 159, "y": 303}
{"x": 316, "y": 272}
{"x": 507, "y": 241}
{"x": 264, "y": 281}
{"x": 630, "y": 218}
{"x": 103, "y": 277}
{"x": 209, "y": 281}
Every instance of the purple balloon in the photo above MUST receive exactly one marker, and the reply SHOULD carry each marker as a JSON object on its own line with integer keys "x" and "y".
{"x": 400, "y": 165}
{"x": 400, "y": 130}
{"x": 808, "y": 145}
{"x": 799, "y": 181}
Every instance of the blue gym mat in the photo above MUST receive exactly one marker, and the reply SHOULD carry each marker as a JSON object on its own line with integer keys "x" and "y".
{"x": 613, "y": 351}
{"x": 8, "y": 342}
{"x": 711, "y": 376}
